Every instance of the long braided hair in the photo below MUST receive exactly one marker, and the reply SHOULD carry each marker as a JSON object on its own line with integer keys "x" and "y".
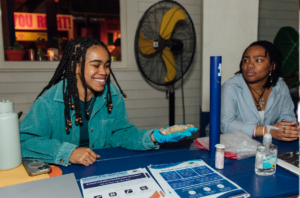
{"x": 275, "y": 58}
{"x": 74, "y": 54}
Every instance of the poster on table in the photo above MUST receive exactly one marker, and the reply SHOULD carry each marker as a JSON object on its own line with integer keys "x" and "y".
{"x": 191, "y": 179}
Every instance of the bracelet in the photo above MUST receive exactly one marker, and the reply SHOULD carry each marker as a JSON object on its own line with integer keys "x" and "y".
{"x": 254, "y": 131}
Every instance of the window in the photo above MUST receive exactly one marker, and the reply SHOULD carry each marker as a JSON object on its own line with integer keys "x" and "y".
{"x": 44, "y": 28}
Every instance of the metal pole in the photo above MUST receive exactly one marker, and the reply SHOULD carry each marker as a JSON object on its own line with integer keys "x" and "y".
{"x": 215, "y": 103}
{"x": 171, "y": 106}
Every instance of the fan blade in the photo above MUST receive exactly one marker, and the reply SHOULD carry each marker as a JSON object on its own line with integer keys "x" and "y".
{"x": 170, "y": 64}
{"x": 169, "y": 20}
{"x": 146, "y": 46}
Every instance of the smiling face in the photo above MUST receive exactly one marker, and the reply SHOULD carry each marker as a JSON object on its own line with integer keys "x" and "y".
{"x": 96, "y": 71}
{"x": 256, "y": 65}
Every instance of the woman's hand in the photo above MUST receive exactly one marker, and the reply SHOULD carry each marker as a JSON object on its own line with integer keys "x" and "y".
{"x": 84, "y": 156}
{"x": 173, "y": 137}
{"x": 289, "y": 133}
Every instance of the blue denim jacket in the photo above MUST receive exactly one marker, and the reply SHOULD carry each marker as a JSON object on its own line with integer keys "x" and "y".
{"x": 43, "y": 134}
{"x": 238, "y": 110}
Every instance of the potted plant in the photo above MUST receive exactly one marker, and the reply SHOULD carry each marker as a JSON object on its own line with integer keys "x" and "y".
{"x": 287, "y": 41}
{"x": 15, "y": 52}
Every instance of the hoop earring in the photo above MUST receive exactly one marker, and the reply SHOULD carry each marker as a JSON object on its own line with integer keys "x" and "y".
{"x": 270, "y": 74}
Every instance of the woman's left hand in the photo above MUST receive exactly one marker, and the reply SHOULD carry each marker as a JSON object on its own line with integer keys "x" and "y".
{"x": 288, "y": 131}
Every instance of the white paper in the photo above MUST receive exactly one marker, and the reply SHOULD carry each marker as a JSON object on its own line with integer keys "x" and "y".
{"x": 193, "y": 179}
{"x": 135, "y": 183}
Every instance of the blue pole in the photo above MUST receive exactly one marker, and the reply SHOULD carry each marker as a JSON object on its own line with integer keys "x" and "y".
{"x": 215, "y": 103}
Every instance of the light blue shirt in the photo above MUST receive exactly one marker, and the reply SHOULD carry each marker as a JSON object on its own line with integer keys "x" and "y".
{"x": 238, "y": 110}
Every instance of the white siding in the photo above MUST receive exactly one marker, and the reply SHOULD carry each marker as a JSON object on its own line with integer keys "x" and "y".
{"x": 147, "y": 106}
{"x": 229, "y": 26}
{"x": 274, "y": 14}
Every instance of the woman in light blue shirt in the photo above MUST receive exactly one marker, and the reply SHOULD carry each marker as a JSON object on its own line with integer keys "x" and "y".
{"x": 256, "y": 96}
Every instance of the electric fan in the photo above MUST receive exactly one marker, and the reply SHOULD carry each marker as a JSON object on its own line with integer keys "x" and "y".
{"x": 165, "y": 45}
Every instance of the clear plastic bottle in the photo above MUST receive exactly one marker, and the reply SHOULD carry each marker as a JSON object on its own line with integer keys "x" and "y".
{"x": 39, "y": 54}
{"x": 266, "y": 155}
{"x": 220, "y": 149}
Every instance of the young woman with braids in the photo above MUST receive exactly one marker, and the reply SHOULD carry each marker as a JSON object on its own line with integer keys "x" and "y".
{"x": 257, "y": 97}
{"x": 80, "y": 110}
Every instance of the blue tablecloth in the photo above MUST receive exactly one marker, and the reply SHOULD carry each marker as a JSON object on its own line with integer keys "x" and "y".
{"x": 281, "y": 184}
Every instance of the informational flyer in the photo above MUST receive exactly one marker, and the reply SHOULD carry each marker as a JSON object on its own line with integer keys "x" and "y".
{"x": 191, "y": 179}
{"x": 135, "y": 183}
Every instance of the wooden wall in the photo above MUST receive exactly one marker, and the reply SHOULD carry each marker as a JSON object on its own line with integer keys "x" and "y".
{"x": 274, "y": 14}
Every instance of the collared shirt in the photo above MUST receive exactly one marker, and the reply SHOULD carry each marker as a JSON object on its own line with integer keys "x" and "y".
{"x": 238, "y": 110}
{"x": 43, "y": 135}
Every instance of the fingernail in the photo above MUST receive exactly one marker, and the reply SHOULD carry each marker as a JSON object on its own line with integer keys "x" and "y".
{"x": 296, "y": 138}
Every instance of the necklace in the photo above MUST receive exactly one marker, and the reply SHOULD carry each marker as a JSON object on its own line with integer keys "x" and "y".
{"x": 87, "y": 110}
{"x": 91, "y": 102}
{"x": 260, "y": 101}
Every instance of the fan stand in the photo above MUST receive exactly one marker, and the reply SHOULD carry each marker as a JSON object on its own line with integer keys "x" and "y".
{"x": 156, "y": 46}
{"x": 171, "y": 105}
{"x": 172, "y": 94}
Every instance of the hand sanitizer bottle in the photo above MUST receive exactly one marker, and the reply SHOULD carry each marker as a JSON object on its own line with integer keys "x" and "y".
{"x": 266, "y": 155}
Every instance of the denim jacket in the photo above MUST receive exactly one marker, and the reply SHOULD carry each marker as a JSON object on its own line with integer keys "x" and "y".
{"x": 238, "y": 110}
{"x": 43, "y": 134}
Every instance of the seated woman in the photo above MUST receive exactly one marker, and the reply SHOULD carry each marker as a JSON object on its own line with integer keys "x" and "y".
{"x": 256, "y": 96}
{"x": 80, "y": 110}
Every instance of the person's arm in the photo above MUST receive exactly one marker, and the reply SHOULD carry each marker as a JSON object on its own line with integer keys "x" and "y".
{"x": 229, "y": 122}
{"x": 287, "y": 111}
{"x": 35, "y": 137}
{"x": 125, "y": 134}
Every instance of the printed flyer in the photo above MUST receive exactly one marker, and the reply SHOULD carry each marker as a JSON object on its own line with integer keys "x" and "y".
{"x": 130, "y": 184}
{"x": 191, "y": 179}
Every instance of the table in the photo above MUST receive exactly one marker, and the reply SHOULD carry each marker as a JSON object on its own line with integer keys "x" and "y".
{"x": 281, "y": 184}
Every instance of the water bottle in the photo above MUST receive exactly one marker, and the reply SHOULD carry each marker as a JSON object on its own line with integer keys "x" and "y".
{"x": 10, "y": 147}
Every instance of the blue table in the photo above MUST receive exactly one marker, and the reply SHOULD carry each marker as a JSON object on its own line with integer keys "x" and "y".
{"x": 281, "y": 184}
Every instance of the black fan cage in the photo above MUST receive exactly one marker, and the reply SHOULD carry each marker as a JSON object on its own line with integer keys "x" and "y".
{"x": 152, "y": 66}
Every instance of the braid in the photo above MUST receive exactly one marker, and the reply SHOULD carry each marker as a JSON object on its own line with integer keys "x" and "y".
{"x": 123, "y": 94}
{"x": 75, "y": 54}
{"x": 109, "y": 104}
{"x": 275, "y": 58}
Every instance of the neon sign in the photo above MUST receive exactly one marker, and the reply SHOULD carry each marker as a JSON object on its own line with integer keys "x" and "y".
{"x": 38, "y": 21}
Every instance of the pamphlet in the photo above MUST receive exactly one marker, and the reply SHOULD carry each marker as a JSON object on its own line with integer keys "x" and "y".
{"x": 289, "y": 161}
{"x": 191, "y": 179}
{"x": 135, "y": 183}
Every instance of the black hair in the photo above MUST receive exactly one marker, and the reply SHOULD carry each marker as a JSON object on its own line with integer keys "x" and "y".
{"x": 275, "y": 58}
{"x": 74, "y": 54}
